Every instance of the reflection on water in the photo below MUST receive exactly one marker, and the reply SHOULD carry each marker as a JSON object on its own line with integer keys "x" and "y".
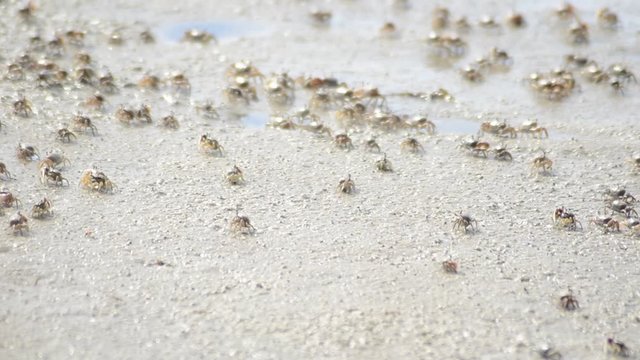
{"x": 222, "y": 30}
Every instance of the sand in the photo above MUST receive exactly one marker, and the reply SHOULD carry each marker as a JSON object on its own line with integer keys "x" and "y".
{"x": 154, "y": 271}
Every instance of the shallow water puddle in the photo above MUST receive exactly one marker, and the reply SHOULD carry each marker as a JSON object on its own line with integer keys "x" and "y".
{"x": 222, "y": 30}
{"x": 255, "y": 120}
{"x": 456, "y": 126}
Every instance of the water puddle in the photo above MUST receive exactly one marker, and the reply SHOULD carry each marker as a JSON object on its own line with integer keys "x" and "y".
{"x": 255, "y": 120}
{"x": 456, "y": 126}
{"x": 222, "y": 30}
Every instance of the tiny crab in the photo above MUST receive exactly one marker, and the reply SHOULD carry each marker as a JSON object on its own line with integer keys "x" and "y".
{"x": 19, "y": 224}
{"x": 235, "y": 176}
{"x": 471, "y": 74}
{"x": 564, "y": 219}
{"x": 531, "y": 127}
{"x": 372, "y": 145}
{"x": 207, "y": 110}
{"x": 411, "y": 145}
{"x": 569, "y": 302}
{"x": 144, "y": 114}
{"x": 346, "y": 186}
{"x": 93, "y": 179}
{"x": 210, "y": 145}
{"x": 606, "y": 223}
{"x": 501, "y": 153}
{"x": 245, "y": 69}
{"x": 476, "y": 147}
{"x": 542, "y": 164}
{"x": 170, "y": 122}
{"x": 279, "y": 122}
{"x": 48, "y": 175}
{"x": 4, "y": 172}
{"x": 384, "y": 165}
{"x": 450, "y": 267}
{"x": 7, "y": 199}
{"x": 54, "y": 160}
{"x": 343, "y": 141}
{"x": 242, "y": 225}
{"x": 147, "y": 37}
{"x": 579, "y": 33}
{"x": 619, "y": 194}
{"x": 621, "y": 72}
{"x": 198, "y": 36}
{"x": 622, "y": 207}
{"x": 27, "y": 152}
{"x": 64, "y": 135}
{"x": 617, "y": 348}
{"x": 516, "y": 20}
{"x": 42, "y": 209}
{"x": 95, "y": 101}
{"x": 84, "y": 123}
{"x": 125, "y": 116}
{"x": 150, "y": 82}
{"x": 422, "y": 123}
{"x": 607, "y": 18}
{"x": 465, "y": 222}
{"x": 320, "y": 17}
{"x": 441, "y": 94}
{"x": 22, "y": 107}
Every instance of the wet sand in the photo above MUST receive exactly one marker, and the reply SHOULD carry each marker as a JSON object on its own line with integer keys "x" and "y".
{"x": 153, "y": 269}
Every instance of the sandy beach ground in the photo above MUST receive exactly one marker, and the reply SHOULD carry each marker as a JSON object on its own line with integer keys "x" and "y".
{"x": 154, "y": 271}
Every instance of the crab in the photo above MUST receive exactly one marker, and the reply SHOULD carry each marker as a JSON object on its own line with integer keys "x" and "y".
{"x": 19, "y": 224}
{"x": 125, "y": 116}
{"x": 144, "y": 114}
{"x": 579, "y": 33}
{"x": 488, "y": 22}
{"x": 388, "y": 30}
{"x": 84, "y": 123}
{"x": 4, "y": 172}
{"x": 578, "y": 61}
{"x": 198, "y": 36}
{"x": 279, "y": 122}
{"x": 607, "y": 18}
{"x": 27, "y": 152}
{"x": 566, "y": 11}
{"x": 210, "y": 145}
{"x": 617, "y": 348}
{"x": 317, "y": 128}
{"x": 501, "y": 153}
{"x": 542, "y": 164}
{"x": 531, "y": 128}
{"x": 450, "y": 266}
{"x": 207, "y": 110}
{"x": 447, "y": 46}
{"x": 242, "y": 225}
{"x": 236, "y": 96}
{"x": 65, "y": 135}
{"x": 476, "y": 147}
{"x": 22, "y": 107}
{"x": 616, "y": 85}
{"x": 95, "y": 101}
{"x": 350, "y": 115}
{"x": 371, "y": 97}
{"x": 84, "y": 75}
{"x": 622, "y": 207}
{"x": 619, "y": 194}
{"x": 148, "y": 81}
{"x": 498, "y": 128}
{"x": 48, "y": 175}
{"x": 411, "y": 145}
{"x": 42, "y": 209}
{"x": 462, "y": 24}
{"x": 606, "y": 223}
{"x": 372, "y": 145}
{"x": 93, "y": 179}
{"x": 245, "y": 69}
{"x": 516, "y": 20}
{"x": 465, "y": 222}
{"x": 346, "y": 186}
{"x": 180, "y": 83}
{"x": 235, "y": 176}
{"x": 321, "y": 101}
{"x": 440, "y": 94}
{"x": 147, "y": 37}
{"x": 440, "y": 18}
{"x": 53, "y": 160}
{"x": 421, "y": 122}
{"x": 7, "y": 199}
{"x": 170, "y": 122}
{"x": 471, "y": 74}
{"x": 498, "y": 57}
{"x": 569, "y": 302}
{"x": 320, "y": 17}
{"x": 621, "y": 72}
{"x": 562, "y": 218}
{"x": 343, "y": 141}
{"x": 384, "y": 165}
